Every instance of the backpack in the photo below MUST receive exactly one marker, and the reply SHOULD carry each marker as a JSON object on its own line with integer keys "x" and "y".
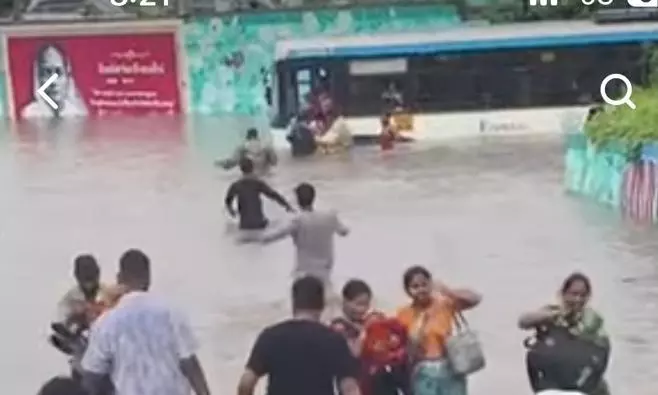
{"x": 558, "y": 359}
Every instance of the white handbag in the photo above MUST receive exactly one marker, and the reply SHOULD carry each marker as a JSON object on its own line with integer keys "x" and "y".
{"x": 463, "y": 349}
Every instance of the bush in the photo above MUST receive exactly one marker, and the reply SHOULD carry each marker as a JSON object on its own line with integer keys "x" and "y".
{"x": 624, "y": 127}
{"x": 621, "y": 126}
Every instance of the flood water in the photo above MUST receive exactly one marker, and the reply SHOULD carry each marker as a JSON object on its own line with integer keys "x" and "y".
{"x": 490, "y": 214}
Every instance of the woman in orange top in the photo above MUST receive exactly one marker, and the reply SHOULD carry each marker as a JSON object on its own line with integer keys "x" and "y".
{"x": 429, "y": 319}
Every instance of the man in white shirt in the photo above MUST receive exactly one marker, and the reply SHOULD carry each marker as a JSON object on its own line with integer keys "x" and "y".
{"x": 313, "y": 233}
{"x": 143, "y": 345}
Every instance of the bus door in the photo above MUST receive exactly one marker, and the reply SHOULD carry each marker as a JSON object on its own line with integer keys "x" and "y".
{"x": 307, "y": 80}
{"x": 294, "y": 84}
{"x": 297, "y": 80}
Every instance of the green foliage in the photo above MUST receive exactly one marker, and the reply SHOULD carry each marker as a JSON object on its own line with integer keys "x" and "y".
{"x": 625, "y": 128}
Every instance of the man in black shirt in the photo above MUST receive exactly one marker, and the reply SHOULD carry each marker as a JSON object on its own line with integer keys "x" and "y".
{"x": 248, "y": 191}
{"x": 301, "y": 356}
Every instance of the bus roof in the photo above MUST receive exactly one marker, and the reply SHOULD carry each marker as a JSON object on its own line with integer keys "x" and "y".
{"x": 460, "y": 38}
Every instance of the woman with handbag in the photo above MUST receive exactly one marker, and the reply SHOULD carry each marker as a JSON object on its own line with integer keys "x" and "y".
{"x": 570, "y": 349}
{"x": 429, "y": 320}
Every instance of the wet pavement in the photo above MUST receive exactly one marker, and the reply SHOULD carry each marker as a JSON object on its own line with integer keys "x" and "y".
{"x": 490, "y": 214}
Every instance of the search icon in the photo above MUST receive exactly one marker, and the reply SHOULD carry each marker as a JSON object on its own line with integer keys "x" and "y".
{"x": 626, "y": 99}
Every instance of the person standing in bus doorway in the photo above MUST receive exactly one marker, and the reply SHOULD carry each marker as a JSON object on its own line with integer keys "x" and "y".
{"x": 392, "y": 98}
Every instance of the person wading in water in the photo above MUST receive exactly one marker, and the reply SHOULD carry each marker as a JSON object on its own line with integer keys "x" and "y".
{"x": 313, "y": 232}
{"x": 81, "y": 304}
{"x": 302, "y": 356}
{"x": 254, "y": 149}
{"x": 248, "y": 190}
{"x": 142, "y": 345}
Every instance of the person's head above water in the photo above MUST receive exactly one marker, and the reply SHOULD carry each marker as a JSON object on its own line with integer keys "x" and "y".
{"x": 62, "y": 386}
{"x": 252, "y": 134}
{"x": 305, "y": 194}
{"x": 575, "y": 292}
{"x": 308, "y": 296}
{"x": 246, "y": 166}
{"x": 87, "y": 272}
{"x": 134, "y": 270}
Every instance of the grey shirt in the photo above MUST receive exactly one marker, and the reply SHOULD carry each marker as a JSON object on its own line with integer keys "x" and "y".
{"x": 260, "y": 153}
{"x": 313, "y": 234}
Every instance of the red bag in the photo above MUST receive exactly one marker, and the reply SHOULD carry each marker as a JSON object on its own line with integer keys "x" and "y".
{"x": 385, "y": 343}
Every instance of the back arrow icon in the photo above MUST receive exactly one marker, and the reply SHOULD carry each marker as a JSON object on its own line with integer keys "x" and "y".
{"x": 42, "y": 91}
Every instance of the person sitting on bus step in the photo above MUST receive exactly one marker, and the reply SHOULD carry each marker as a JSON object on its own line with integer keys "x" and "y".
{"x": 253, "y": 148}
{"x": 338, "y": 136}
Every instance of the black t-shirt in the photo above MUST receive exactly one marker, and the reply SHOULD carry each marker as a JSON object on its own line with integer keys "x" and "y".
{"x": 248, "y": 190}
{"x": 302, "y": 358}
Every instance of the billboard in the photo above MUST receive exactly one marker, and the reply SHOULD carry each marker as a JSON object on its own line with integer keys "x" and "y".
{"x": 97, "y": 75}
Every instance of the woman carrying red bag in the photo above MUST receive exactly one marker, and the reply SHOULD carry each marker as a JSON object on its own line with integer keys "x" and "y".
{"x": 379, "y": 342}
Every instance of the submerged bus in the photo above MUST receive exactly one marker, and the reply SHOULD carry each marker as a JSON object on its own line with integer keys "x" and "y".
{"x": 514, "y": 66}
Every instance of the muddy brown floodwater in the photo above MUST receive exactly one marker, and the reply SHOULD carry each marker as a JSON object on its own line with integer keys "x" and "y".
{"x": 486, "y": 213}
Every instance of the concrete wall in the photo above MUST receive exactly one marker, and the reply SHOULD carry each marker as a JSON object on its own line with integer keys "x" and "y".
{"x": 226, "y": 62}
{"x": 605, "y": 175}
{"x": 230, "y": 58}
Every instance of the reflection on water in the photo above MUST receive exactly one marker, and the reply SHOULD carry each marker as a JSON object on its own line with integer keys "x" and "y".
{"x": 486, "y": 213}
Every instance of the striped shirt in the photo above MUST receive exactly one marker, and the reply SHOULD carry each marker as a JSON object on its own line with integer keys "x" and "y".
{"x": 140, "y": 343}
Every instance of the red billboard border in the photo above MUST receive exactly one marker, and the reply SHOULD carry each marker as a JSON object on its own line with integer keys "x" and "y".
{"x": 104, "y": 28}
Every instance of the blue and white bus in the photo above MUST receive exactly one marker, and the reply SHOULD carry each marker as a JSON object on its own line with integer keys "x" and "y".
{"x": 513, "y": 66}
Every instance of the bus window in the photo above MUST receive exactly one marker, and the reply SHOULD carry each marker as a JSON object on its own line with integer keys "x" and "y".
{"x": 303, "y": 86}
{"x": 367, "y": 93}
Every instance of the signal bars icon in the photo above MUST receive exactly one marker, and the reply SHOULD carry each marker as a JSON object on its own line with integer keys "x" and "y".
{"x": 543, "y": 3}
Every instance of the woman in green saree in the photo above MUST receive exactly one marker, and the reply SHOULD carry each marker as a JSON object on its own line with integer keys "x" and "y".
{"x": 573, "y": 313}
